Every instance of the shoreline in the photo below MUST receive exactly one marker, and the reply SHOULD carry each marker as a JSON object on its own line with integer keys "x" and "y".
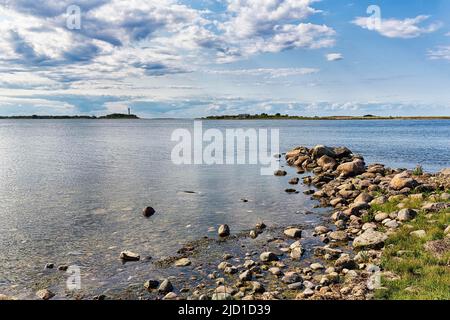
{"x": 334, "y": 258}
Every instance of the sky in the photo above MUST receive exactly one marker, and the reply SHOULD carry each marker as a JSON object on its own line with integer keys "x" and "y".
{"x": 167, "y": 58}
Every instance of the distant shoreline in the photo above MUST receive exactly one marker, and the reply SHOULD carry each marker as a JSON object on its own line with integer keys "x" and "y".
{"x": 46, "y": 117}
{"x": 287, "y": 117}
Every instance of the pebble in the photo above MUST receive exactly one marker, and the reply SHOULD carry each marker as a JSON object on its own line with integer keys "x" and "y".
{"x": 129, "y": 256}
{"x": 183, "y": 262}
{"x": 268, "y": 256}
{"x": 45, "y": 294}
{"x": 224, "y": 230}
{"x": 293, "y": 232}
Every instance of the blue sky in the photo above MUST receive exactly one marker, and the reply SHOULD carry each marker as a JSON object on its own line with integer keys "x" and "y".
{"x": 168, "y": 58}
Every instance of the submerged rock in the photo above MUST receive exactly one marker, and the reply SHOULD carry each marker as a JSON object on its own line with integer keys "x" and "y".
{"x": 293, "y": 232}
{"x": 148, "y": 212}
{"x": 129, "y": 256}
{"x": 224, "y": 230}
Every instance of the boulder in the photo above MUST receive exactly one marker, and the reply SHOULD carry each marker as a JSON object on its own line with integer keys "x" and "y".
{"x": 326, "y": 163}
{"x": 338, "y": 235}
{"x": 352, "y": 168}
{"x": 321, "y": 150}
{"x": 402, "y": 180}
{"x": 342, "y": 152}
{"x": 370, "y": 239}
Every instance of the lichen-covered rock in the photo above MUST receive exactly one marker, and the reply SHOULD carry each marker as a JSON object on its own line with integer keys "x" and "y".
{"x": 370, "y": 239}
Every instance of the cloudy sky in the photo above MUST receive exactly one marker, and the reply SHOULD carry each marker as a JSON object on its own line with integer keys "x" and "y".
{"x": 167, "y": 58}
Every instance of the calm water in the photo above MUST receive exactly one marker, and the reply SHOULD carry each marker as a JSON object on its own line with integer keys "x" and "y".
{"x": 72, "y": 191}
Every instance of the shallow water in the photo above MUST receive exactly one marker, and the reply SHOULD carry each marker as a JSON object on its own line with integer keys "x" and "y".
{"x": 72, "y": 191}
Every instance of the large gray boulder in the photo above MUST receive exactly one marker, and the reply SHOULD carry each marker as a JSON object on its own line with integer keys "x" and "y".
{"x": 370, "y": 239}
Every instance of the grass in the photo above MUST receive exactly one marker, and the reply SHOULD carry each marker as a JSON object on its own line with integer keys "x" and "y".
{"x": 422, "y": 275}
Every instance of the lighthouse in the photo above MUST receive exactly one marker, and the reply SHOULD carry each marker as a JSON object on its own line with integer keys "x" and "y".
{"x": 129, "y": 110}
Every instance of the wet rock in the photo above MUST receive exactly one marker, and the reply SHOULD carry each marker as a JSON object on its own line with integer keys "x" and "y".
{"x": 257, "y": 287}
{"x": 171, "y": 296}
{"x": 151, "y": 284}
{"x": 183, "y": 262}
{"x": 268, "y": 256}
{"x": 280, "y": 173}
{"x": 49, "y": 266}
{"x": 223, "y": 265}
{"x": 221, "y": 296}
{"x": 165, "y": 286}
{"x": 45, "y": 294}
{"x": 224, "y": 230}
{"x": 321, "y": 230}
{"x": 406, "y": 214}
{"x": 402, "y": 180}
{"x": 249, "y": 263}
{"x": 230, "y": 270}
{"x": 253, "y": 234}
{"x": 129, "y": 256}
{"x": 291, "y": 277}
{"x": 296, "y": 253}
{"x": 370, "y": 239}
{"x": 352, "y": 168}
{"x": 290, "y": 190}
{"x": 246, "y": 275}
{"x": 293, "y": 232}
{"x": 294, "y": 180}
{"x": 227, "y": 256}
{"x": 260, "y": 226}
{"x": 296, "y": 286}
{"x": 339, "y": 235}
{"x": 63, "y": 267}
{"x": 148, "y": 212}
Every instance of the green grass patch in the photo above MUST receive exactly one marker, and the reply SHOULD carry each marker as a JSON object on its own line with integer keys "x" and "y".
{"x": 423, "y": 276}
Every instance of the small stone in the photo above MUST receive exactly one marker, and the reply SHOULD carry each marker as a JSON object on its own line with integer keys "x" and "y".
{"x": 296, "y": 286}
{"x": 183, "y": 262}
{"x": 339, "y": 235}
{"x": 223, "y": 265}
{"x": 293, "y": 232}
{"x": 418, "y": 233}
{"x": 406, "y": 214}
{"x": 224, "y": 230}
{"x": 275, "y": 271}
{"x": 321, "y": 229}
{"x": 280, "y": 173}
{"x": 253, "y": 234}
{"x": 392, "y": 224}
{"x": 268, "y": 256}
{"x": 151, "y": 284}
{"x": 63, "y": 267}
{"x": 148, "y": 212}
{"x": 294, "y": 180}
{"x": 308, "y": 292}
{"x": 129, "y": 256}
{"x": 316, "y": 266}
{"x": 296, "y": 253}
{"x": 381, "y": 216}
{"x": 165, "y": 286}
{"x": 249, "y": 263}
{"x": 170, "y": 296}
{"x": 257, "y": 287}
{"x": 246, "y": 275}
{"x": 230, "y": 270}
{"x": 227, "y": 256}
{"x": 291, "y": 277}
{"x": 49, "y": 266}
{"x": 45, "y": 294}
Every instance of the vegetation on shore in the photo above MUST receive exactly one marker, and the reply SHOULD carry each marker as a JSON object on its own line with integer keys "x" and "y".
{"x": 421, "y": 263}
{"x": 278, "y": 116}
{"x": 109, "y": 116}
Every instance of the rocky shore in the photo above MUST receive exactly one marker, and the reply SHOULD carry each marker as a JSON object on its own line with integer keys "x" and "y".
{"x": 378, "y": 219}
{"x": 345, "y": 260}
